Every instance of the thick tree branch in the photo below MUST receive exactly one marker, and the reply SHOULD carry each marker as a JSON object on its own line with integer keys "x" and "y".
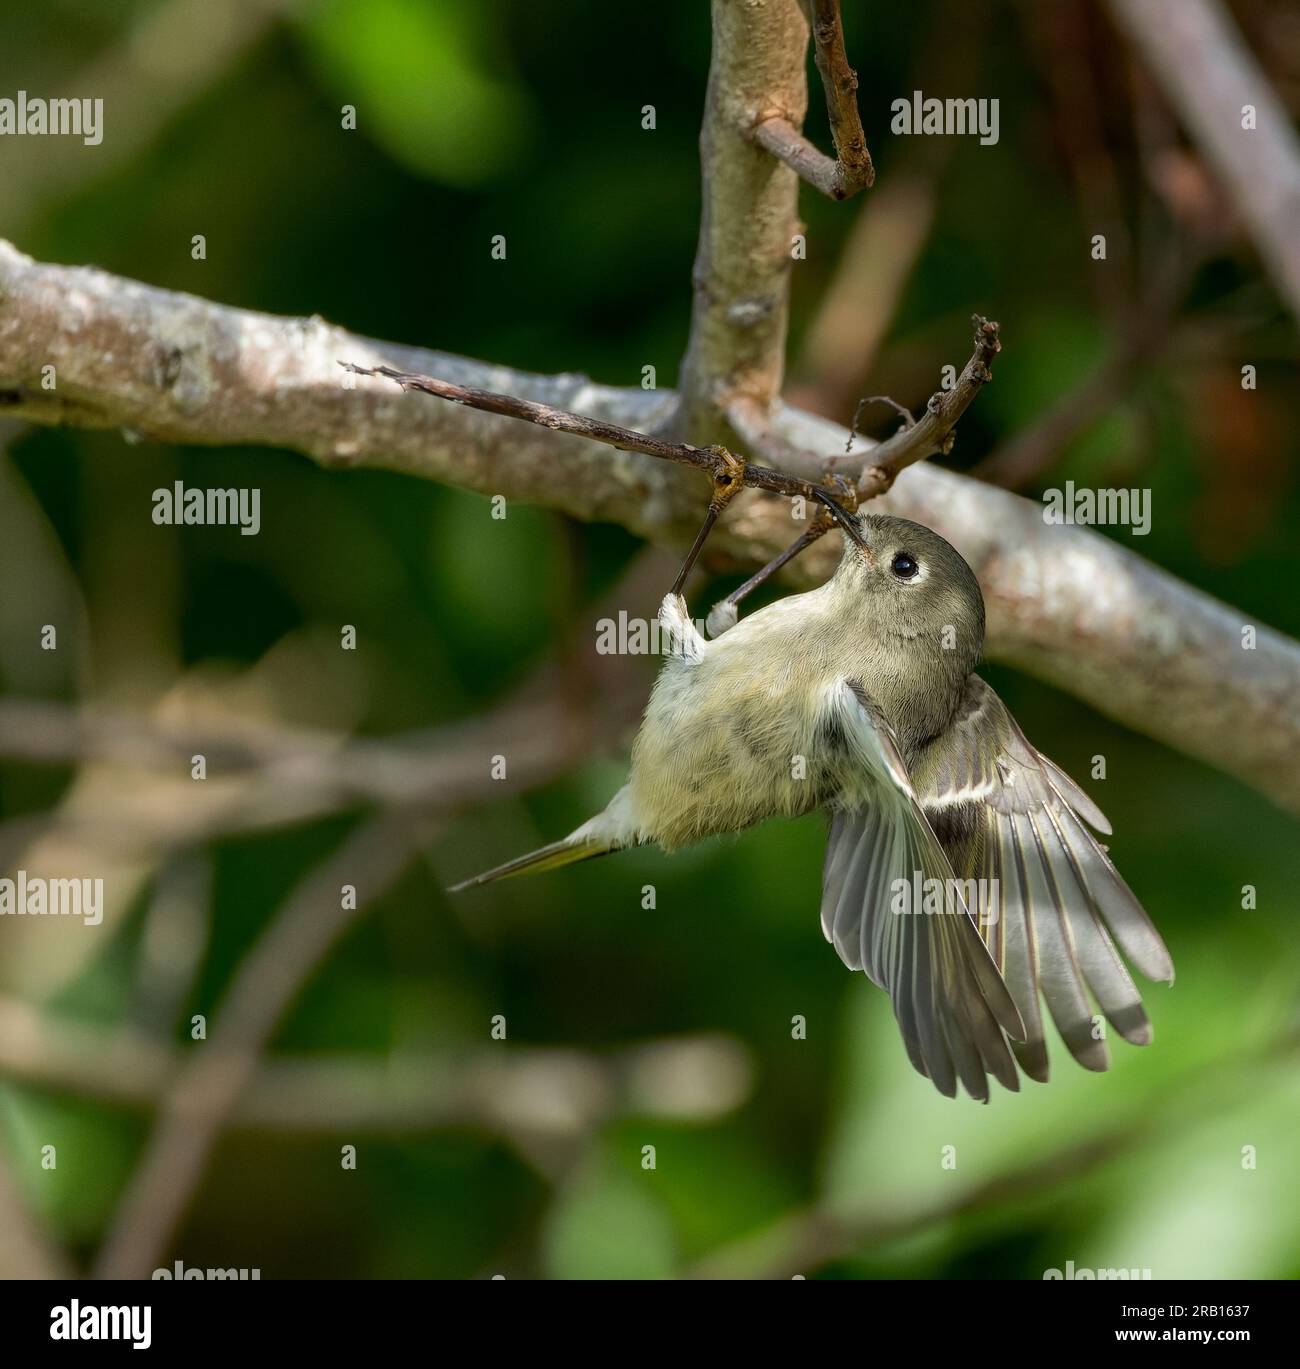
{"x": 749, "y": 215}
{"x": 171, "y": 367}
{"x": 1076, "y": 608}
{"x": 752, "y": 154}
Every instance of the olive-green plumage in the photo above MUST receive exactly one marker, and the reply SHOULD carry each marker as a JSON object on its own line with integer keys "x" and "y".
{"x": 860, "y": 698}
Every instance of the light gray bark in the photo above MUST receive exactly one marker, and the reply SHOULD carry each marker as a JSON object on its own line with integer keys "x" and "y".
{"x": 1067, "y": 604}
{"x": 748, "y": 218}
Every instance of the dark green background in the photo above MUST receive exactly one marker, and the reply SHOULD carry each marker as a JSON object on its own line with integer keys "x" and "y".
{"x": 524, "y": 119}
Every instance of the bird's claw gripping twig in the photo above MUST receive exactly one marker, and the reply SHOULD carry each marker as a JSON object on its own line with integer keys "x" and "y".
{"x": 728, "y": 480}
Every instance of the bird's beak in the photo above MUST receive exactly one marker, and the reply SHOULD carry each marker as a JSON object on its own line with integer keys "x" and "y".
{"x": 850, "y": 523}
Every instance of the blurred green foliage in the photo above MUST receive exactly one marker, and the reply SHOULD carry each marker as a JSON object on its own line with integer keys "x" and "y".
{"x": 524, "y": 119}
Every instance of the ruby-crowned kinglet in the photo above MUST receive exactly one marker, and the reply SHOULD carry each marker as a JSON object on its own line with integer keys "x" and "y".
{"x": 959, "y": 873}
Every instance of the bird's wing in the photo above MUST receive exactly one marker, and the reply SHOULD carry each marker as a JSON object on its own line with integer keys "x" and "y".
{"x": 950, "y": 1001}
{"x": 1005, "y": 812}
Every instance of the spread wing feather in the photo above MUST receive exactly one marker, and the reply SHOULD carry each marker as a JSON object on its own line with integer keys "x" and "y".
{"x": 951, "y": 1004}
{"x": 1005, "y": 812}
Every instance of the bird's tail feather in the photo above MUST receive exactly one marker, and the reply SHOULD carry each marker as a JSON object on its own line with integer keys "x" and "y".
{"x": 552, "y": 857}
{"x": 610, "y": 830}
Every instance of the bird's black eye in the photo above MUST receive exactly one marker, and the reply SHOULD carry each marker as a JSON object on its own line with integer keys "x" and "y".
{"x": 903, "y": 566}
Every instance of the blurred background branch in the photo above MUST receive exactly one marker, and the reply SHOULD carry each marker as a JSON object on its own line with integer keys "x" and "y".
{"x": 26, "y": 1248}
{"x": 1228, "y": 105}
{"x": 509, "y": 1089}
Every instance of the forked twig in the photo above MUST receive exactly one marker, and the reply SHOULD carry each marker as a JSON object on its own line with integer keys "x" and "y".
{"x": 908, "y": 417}
{"x": 850, "y": 170}
{"x": 917, "y": 439}
{"x": 934, "y": 432}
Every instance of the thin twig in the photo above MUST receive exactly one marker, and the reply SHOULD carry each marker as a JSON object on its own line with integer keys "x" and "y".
{"x": 850, "y": 170}
{"x": 715, "y": 460}
{"x": 723, "y": 614}
{"x": 933, "y": 433}
{"x": 787, "y": 144}
{"x": 908, "y": 417}
{"x": 913, "y": 442}
{"x": 854, "y": 170}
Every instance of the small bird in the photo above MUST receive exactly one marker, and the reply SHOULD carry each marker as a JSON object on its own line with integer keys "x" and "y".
{"x": 960, "y": 872}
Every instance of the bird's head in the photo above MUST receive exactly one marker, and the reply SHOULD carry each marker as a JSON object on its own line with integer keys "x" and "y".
{"x": 910, "y": 588}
